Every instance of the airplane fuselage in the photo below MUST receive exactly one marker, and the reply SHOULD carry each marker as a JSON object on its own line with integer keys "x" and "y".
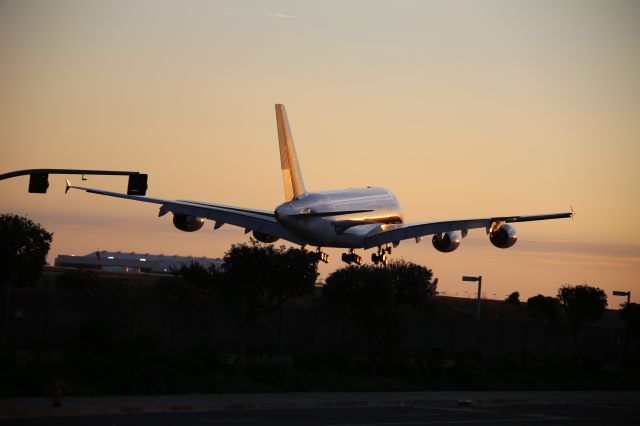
{"x": 309, "y": 215}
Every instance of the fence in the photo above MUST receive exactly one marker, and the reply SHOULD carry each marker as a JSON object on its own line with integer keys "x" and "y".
{"x": 52, "y": 321}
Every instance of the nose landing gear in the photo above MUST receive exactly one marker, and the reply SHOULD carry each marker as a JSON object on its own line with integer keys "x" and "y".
{"x": 381, "y": 256}
{"x": 351, "y": 257}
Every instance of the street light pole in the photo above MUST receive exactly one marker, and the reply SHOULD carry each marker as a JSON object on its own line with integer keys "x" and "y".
{"x": 478, "y": 302}
{"x": 623, "y": 293}
{"x": 479, "y": 281}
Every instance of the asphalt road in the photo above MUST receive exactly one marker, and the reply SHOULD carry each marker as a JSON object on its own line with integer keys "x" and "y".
{"x": 554, "y": 414}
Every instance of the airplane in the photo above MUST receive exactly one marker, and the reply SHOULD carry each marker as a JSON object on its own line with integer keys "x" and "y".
{"x": 360, "y": 218}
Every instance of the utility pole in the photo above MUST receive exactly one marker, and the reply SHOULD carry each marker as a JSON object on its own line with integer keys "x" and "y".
{"x": 477, "y": 279}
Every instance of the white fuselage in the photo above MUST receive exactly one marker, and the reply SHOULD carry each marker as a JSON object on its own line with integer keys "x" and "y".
{"x": 358, "y": 213}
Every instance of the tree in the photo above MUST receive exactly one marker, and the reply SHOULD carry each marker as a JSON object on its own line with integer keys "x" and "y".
{"x": 513, "y": 298}
{"x": 543, "y": 307}
{"x": 24, "y": 246}
{"x": 375, "y": 296}
{"x": 194, "y": 280}
{"x": 582, "y": 303}
{"x": 263, "y": 277}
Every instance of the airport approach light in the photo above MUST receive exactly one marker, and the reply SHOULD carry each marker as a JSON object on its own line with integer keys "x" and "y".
{"x": 477, "y": 279}
{"x": 623, "y": 293}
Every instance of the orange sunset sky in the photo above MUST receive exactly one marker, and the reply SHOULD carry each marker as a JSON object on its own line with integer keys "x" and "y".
{"x": 461, "y": 108}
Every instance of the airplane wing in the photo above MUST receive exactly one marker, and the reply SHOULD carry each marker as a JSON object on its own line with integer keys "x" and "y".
{"x": 249, "y": 219}
{"x": 395, "y": 233}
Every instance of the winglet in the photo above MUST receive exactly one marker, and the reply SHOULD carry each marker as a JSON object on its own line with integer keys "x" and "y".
{"x": 573, "y": 212}
{"x": 68, "y": 186}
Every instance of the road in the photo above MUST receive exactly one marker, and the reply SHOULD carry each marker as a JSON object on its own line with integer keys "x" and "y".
{"x": 523, "y": 414}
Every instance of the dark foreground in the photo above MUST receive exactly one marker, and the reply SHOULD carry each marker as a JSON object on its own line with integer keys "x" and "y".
{"x": 525, "y": 414}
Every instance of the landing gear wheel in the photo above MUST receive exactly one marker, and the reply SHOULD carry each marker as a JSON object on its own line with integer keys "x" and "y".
{"x": 379, "y": 258}
{"x": 322, "y": 256}
{"x": 351, "y": 257}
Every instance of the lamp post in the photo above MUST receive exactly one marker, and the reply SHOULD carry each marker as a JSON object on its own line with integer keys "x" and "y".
{"x": 623, "y": 293}
{"x": 477, "y": 279}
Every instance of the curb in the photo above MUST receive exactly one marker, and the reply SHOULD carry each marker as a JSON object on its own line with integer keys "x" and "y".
{"x": 35, "y": 411}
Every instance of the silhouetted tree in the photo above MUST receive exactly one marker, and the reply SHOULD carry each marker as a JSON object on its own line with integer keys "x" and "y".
{"x": 582, "y": 303}
{"x": 543, "y": 307}
{"x": 24, "y": 246}
{"x": 263, "y": 277}
{"x": 193, "y": 280}
{"x": 513, "y": 298}
{"x": 374, "y": 296}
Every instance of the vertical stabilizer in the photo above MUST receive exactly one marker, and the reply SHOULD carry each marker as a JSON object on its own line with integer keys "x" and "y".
{"x": 291, "y": 173}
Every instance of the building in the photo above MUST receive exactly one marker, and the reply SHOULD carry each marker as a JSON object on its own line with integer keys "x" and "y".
{"x": 116, "y": 261}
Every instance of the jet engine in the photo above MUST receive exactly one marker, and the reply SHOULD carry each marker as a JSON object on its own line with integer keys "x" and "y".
{"x": 187, "y": 223}
{"x": 264, "y": 238}
{"x": 449, "y": 241}
{"x": 503, "y": 236}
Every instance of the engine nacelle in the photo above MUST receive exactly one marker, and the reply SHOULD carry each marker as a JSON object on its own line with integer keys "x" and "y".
{"x": 503, "y": 237}
{"x": 187, "y": 223}
{"x": 264, "y": 238}
{"x": 449, "y": 241}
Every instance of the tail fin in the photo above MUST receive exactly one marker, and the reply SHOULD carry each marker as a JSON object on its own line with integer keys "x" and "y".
{"x": 291, "y": 173}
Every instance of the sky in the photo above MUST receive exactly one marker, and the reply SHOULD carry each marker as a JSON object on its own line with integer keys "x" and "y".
{"x": 462, "y": 108}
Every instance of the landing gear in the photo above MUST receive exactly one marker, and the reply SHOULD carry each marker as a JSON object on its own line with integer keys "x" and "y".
{"x": 321, "y": 256}
{"x": 351, "y": 257}
{"x": 381, "y": 256}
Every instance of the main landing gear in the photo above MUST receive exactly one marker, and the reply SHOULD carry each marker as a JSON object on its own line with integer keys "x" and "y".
{"x": 381, "y": 256}
{"x": 351, "y": 257}
{"x": 321, "y": 256}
